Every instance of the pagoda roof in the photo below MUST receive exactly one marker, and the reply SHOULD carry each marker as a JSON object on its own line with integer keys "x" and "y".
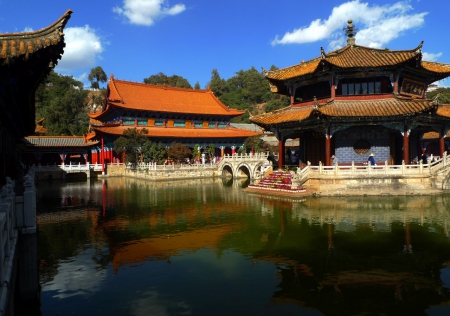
{"x": 22, "y": 44}
{"x": 177, "y": 132}
{"x": 347, "y": 108}
{"x": 155, "y": 98}
{"x": 58, "y": 141}
{"x": 355, "y": 57}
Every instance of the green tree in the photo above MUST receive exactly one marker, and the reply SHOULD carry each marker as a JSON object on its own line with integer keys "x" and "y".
{"x": 178, "y": 152}
{"x": 197, "y": 86}
{"x": 63, "y": 103}
{"x": 217, "y": 84}
{"x": 131, "y": 143}
{"x": 211, "y": 150}
{"x": 97, "y": 75}
{"x": 195, "y": 152}
{"x": 153, "y": 152}
{"x": 172, "y": 81}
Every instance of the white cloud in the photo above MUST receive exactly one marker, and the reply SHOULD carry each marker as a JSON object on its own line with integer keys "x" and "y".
{"x": 376, "y": 25}
{"x": 28, "y": 29}
{"x": 145, "y": 12}
{"x": 83, "y": 48}
{"x": 430, "y": 56}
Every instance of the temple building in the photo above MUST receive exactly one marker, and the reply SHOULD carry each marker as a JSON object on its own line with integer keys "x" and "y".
{"x": 25, "y": 59}
{"x": 191, "y": 117}
{"x": 359, "y": 100}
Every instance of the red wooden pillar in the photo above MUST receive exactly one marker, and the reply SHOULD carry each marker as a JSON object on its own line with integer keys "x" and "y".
{"x": 102, "y": 156}
{"x": 222, "y": 151}
{"x": 441, "y": 142}
{"x": 292, "y": 94}
{"x": 395, "y": 84}
{"x": 333, "y": 88}
{"x": 405, "y": 145}
{"x": 280, "y": 151}
{"x": 328, "y": 147}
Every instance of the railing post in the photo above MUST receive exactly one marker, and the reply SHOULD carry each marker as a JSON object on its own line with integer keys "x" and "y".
{"x": 385, "y": 167}
{"x": 421, "y": 167}
{"x": 353, "y": 167}
{"x": 320, "y": 167}
{"x": 403, "y": 167}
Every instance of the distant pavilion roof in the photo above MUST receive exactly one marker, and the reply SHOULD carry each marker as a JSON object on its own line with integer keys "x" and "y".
{"x": 154, "y": 98}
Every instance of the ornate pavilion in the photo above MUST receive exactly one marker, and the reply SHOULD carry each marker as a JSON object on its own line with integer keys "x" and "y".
{"x": 25, "y": 59}
{"x": 169, "y": 114}
{"x": 359, "y": 100}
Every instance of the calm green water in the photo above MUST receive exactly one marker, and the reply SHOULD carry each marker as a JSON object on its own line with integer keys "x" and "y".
{"x": 206, "y": 247}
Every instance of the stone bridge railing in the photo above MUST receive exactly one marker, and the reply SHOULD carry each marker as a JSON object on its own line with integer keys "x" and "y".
{"x": 439, "y": 167}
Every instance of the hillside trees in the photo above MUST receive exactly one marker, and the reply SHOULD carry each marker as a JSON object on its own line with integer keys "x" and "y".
{"x": 444, "y": 95}
{"x": 172, "y": 81}
{"x": 62, "y": 101}
{"x": 248, "y": 90}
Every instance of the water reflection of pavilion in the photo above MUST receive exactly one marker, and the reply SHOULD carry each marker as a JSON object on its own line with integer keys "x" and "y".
{"x": 338, "y": 255}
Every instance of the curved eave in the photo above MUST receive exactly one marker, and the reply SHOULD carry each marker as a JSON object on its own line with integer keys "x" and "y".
{"x": 177, "y": 132}
{"x": 285, "y": 115}
{"x": 14, "y": 45}
{"x": 384, "y": 108}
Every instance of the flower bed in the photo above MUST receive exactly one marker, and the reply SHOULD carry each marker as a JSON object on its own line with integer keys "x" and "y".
{"x": 279, "y": 181}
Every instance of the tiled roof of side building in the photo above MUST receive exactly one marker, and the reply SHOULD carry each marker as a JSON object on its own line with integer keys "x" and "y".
{"x": 58, "y": 141}
{"x": 141, "y": 96}
{"x": 14, "y": 45}
{"x": 177, "y": 132}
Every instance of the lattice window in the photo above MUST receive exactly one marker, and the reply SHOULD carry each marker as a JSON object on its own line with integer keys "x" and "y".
{"x": 361, "y": 147}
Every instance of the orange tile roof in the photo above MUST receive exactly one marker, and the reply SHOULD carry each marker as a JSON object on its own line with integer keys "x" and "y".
{"x": 375, "y": 108}
{"x": 443, "y": 110}
{"x": 355, "y": 56}
{"x": 288, "y": 114}
{"x": 361, "y": 56}
{"x": 436, "y": 67}
{"x": 433, "y": 135}
{"x": 13, "y": 45}
{"x": 388, "y": 107}
{"x": 301, "y": 69}
{"x": 146, "y": 97}
{"x": 179, "y": 132}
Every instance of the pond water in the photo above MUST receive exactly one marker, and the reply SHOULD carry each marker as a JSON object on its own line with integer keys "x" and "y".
{"x": 206, "y": 247}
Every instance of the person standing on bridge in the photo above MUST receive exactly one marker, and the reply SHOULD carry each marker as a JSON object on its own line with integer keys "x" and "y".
{"x": 371, "y": 159}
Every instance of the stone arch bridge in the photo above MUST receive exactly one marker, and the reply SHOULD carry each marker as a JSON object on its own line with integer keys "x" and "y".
{"x": 253, "y": 166}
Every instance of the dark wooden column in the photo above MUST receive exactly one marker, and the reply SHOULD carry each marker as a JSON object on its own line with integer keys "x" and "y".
{"x": 327, "y": 147}
{"x": 405, "y": 145}
{"x": 441, "y": 142}
{"x": 280, "y": 151}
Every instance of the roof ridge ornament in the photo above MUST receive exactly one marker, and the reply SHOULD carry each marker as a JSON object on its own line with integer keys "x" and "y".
{"x": 322, "y": 52}
{"x": 316, "y": 103}
{"x": 350, "y": 31}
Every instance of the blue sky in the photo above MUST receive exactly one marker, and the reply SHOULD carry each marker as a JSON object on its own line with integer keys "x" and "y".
{"x": 134, "y": 39}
